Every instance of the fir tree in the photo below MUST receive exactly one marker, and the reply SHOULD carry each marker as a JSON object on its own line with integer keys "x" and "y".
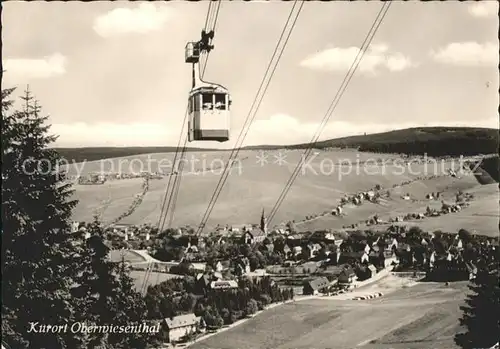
{"x": 107, "y": 296}
{"x": 39, "y": 259}
{"x": 481, "y": 315}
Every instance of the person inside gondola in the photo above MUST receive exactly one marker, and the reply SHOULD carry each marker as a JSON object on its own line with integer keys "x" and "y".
{"x": 207, "y": 101}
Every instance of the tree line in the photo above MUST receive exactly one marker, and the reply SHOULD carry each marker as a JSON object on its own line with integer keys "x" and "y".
{"x": 51, "y": 276}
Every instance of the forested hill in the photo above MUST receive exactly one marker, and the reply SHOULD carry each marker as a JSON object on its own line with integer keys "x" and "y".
{"x": 435, "y": 141}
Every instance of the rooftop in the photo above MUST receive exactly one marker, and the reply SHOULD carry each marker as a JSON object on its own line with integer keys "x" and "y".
{"x": 182, "y": 321}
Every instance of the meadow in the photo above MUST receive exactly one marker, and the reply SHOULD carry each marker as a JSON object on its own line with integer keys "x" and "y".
{"x": 253, "y": 186}
{"x": 424, "y": 316}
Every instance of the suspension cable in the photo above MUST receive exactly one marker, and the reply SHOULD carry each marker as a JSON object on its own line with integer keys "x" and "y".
{"x": 172, "y": 192}
{"x": 254, "y": 107}
{"x": 366, "y": 43}
{"x": 210, "y": 28}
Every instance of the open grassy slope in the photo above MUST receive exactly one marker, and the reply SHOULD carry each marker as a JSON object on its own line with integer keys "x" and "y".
{"x": 98, "y": 153}
{"x": 423, "y": 316}
{"x": 430, "y": 140}
{"x": 482, "y": 215}
{"x": 249, "y": 188}
{"x": 252, "y": 187}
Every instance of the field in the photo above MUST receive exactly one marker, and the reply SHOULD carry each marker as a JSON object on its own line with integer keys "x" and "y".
{"x": 253, "y": 186}
{"x": 422, "y": 316}
{"x": 153, "y": 278}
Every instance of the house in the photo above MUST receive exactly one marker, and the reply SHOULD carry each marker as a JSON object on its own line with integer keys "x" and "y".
{"x": 347, "y": 276}
{"x": 191, "y": 248}
{"x": 180, "y": 326}
{"x": 241, "y": 228}
{"x": 287, "y": 251}
{"x": 373, "y": 270}
{"x": 472, "y": 269}
{"x": 313, "y": 287}
{"x": 353, "y": 257}
{"x": 219, "y": 267}
{"x": 307, "y": 252}
{"x": 297, "y": 250}
{"x": 279, "y": 231}
{"x": 315, "y": 248}
{"x": 222, "y": 265}
{"x": 198, "y": 267}
{"x": 255, "y": 235}
{"x": 223, "y": 284}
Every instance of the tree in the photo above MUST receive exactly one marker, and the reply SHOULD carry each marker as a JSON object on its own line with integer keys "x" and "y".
{"x": 481, "y": 315}
{"x": 106, "y": 294}
{"x": 40, "y": 255}
{"x": 465, "y": 235}
{"x": 130, "y": 308}
{"x": 252, "y": 307}
{"x": 291, "y": 226}
{"x": 212, "y": 318}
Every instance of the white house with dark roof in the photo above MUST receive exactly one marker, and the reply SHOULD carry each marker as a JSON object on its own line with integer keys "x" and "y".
{"x": 223, "y": 284}
{"x": 180, "y": 326}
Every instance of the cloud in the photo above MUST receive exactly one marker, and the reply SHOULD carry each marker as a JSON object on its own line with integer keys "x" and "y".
{"x": 145, "y": 18}
{"x": 484, "y": 9}
{"x": 284, "y": 129}
{"x": 46, "y": 67}
{"x": 340, "y": 59}
{"x": 467, "y": 54}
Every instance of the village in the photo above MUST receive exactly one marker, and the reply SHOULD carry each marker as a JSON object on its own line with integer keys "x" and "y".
{"x": 210, "y": 276}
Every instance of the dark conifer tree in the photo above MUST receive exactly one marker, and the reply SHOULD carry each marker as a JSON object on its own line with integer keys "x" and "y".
{"x": 481, "y": 315}
{"x": 39, "y": 256}
{"x": 107, "y": 295}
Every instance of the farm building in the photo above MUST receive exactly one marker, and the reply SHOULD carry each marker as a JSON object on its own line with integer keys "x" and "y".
{"x": 315, "y": 286}
{"x": 180, "y": 326}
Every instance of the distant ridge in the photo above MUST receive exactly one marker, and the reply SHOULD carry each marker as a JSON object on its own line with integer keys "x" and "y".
{"x": 99, "y": 153}
{"x": 433, "y": 141}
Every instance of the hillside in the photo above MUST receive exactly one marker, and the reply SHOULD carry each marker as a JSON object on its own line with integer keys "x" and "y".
{"x": 99, "y": 153}
{"x": 252, "y": 187}
{"x": 435, "y": 141}
{"x": 492, "y": 166}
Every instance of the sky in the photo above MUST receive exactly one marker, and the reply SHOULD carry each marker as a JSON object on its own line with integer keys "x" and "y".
{"x": 113, "y": 73}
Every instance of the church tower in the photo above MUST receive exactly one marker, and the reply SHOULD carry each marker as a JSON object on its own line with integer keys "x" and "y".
{"x": 263, "y": 222}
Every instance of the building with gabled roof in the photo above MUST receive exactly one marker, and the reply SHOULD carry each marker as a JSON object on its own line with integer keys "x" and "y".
{"x": 312, "y": 287}
{"x": 180, "y": 326}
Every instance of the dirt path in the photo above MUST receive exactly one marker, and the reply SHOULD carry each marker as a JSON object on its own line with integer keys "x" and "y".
{"x": 137, "y": 201}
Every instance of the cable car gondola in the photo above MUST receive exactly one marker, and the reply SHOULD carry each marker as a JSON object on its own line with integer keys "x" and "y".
{"x": 209, "y": 103}
{"x": 209, "y": 114}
